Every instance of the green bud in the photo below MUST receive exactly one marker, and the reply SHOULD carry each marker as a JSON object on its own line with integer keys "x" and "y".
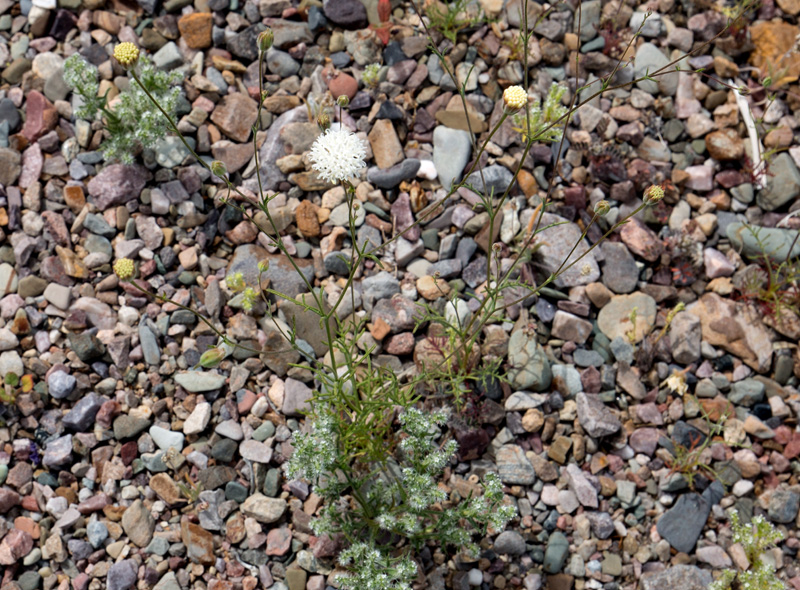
{"x": 602, "y": 208}
{"x": 265, "y": 40}
{"x": 767, "y": 82}
{"x": 343, "y": 101}
{"x": 218, "y": 168}
{"x": 211, "y": 358}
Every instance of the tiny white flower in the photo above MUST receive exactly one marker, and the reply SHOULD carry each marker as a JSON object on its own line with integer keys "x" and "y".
{"x": 337, "y": 155}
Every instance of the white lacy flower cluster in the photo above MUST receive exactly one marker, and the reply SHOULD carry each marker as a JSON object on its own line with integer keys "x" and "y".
{"x": 374, "y": 570}
{"x": 337, "y": 155}
{"x": 315, "y": 452}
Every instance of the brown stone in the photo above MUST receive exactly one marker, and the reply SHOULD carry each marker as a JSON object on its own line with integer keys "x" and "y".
{"x": 725, "y": 144}
{"x": 307, "y": 220}
{"x": 195, "y": 29}
{"x": 74, "y": 197}
{"x": 166, "y": 488}
{"x": 774, "y": 49}
{"x": 386, "y": 147}
{"x": 235, "y": 115}
{"x": 280, "y": 104}
{"x": 199, "y": 543}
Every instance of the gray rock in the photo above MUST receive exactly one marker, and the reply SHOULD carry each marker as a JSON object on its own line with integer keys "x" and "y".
{"x": 150, "y": 349}
{"x": 58, "y": 452}
{"x": 297, "y": 396}
{"x": 166, "y": 439}
{"x": 168, "y": 57}
{"x": 783, "y": 506}
{"x": 264, "y": 509}
{"x": 555, "y": 242}
{"x": 602, "y": 524}
{"x": 509, "y": 543}
{"x": 127, "y": 426}
{"x": 451, "y": 151}
{"x": 556, "y": 553}
{"x": 380, "y": 286}
{"x": 530, "y": 368}
{"x": 783, "y": 183}
{"x": 497, "y": 179}
{"x": 117, "y": 184}
{"x": 620, "y": 273}
{"x": 685, "y": 577}
{"x": 595, "y": 418}
{"x": 60, "y": 385}
{"x": 649, "y": 59}
{"x": 197, "y": 381}
{"x": 685, "y": 336}
{"x": 281, "y": 63}
{"x": 776, "y": 241}
{"x": 746, "y": 392}
{"x": 138, "y": 524}
{"x": 81, "y": 417}
{"x": 168, "y": 582}
{"x": 391, "y": 177}
{"x": 281, "y": 274}
{"x": 513, "y": 467}
{"x": 96, "y": 532}
{"x": 122, "y": 575}
{"x": 682, "y": 524}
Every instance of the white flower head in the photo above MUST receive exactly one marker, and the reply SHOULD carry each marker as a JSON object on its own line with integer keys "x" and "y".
{"x": 337, "y": 155}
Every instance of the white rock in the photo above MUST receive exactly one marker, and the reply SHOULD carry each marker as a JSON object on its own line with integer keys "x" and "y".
{"x": 198, "y": 419}
{"x": 427, "y": 170}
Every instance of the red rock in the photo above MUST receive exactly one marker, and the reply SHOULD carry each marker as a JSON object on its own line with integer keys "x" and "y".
{"x": 234, "y": 115}
{"x": 279, "y": 541}
{"x": 106, "y": 413}
{"x": 32, "y": 164}
{"x": 30, "y": 503}
{"x": 641, "y": 240}
{"x": 8, "y": 499}
{"x": 57, "y": 227}
{"x": 94, "y": 504}
{"x": 248, "y": 399}
{"x": 400, "y": 344}
{"x": 343, "y": 84}
{"x": 26, "y": 524}
{"x": 41, "y": 116}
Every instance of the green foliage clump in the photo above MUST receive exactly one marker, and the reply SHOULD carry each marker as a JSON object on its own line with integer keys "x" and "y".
{"x": 396, "y": 498}
{"x": 134, "y": 121}
{"x": 452, "y": 17}
{"x": 543, "y": 122}
{"x": 755, "y": 538}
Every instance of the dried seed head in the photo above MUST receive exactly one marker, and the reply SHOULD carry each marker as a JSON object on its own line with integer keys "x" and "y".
{"x": 324, "y": 121}
{"x": 124, "y": 268}
{"x": 126, "y": 54}
{"x": 515, "y": 97}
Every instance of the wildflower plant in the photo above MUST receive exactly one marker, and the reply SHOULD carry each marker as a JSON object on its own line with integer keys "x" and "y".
{"x": 755, "y": 538}
{"x": 374, "y": 457}
{"x": 132, "y": 121}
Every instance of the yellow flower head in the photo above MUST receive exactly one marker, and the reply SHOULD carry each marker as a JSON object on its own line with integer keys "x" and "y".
{"x": 515, "y": 97}
{"x": 126, "y": 54}
{"x": 124, "y": 268}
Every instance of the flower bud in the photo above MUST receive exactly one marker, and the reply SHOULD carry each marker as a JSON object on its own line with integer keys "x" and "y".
{"x": 265, "y": 39}
{"x": 218, "y": 168}
{"x": 343, "y": 101}
{"x": 212, "y": 358}
{"x": 263, "y": 266}
{"x": 602, "y": 208}
{"x": 515, "y": 97}
{"x": 653, "y": 194}
{"x": 324, "y": 121}
{"x": 126, "y": 54}
{"x": 124, "y": 268}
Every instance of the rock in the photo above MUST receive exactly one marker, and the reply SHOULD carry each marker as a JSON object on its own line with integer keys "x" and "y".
{"x": 58, "y": 452}
{"x": 280, "y": 273}
{"x": 117, "y": 184}
{"x": 10, "y": 166}
{"x": 776, "y": 241}
{"x": 783, "y": 183}
{"x": 620, "y": 273}
{"x": 235, "y": 115}
{"x": 198, "y": 419}
{"x": 725, "y": 144}
{"x": 685, "y": 336}
{"x": 138, "y": 524}
{"x": 199, "y": 543}
{"x": 641, "y": 240}
{"x": 595, "y": 418}
{"x": 735, "y": 328}
{"x": 451, "y": 151}
{"x": 556, "y": 553}
{"x": 40, "y": 116}
{"x": 349, "y": 14}
{"x": 122, "y": 575}
{"x": 198, "y": 381}
{"x": 166, "y": 439}
{"x": 81, "y": 417}
{"x": 15, "y": 545}
{"x": 196, "y": 28}
{"x": 399, "y": 313}
{"x": 649, "y": 59}
{"x": 682, "y": 524}
{"x": 60, "y": 385}
{"x": 614, "y": 320}
{"x": 530, "y": 368}
{"x": 555, "y": 242}
{"x": 386, "y": 147}
{"x": 783, "y": 506}
{"x": 685, "y": 577}
{"x": 513, "y": 467}
{"x": 264, "y": 509}
{"x": 391, "y": 177}
{"x": 570, "y": 327}
{"x": 509, "y": 543}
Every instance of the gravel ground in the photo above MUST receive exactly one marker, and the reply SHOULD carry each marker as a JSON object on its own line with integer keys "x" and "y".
{"x": 95, "y": 457}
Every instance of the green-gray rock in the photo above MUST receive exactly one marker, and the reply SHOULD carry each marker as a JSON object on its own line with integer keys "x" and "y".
{"x": 775, "y": 242}
{"x": 783, "y": 183}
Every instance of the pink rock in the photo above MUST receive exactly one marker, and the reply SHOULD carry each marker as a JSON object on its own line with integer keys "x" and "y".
{"x": 41, "y": 116}
{"x": 16, "y": 545}
{"x": 700, "y": 178}
{"x": 32, "y": 162}
{"x": 717, "y": 264}
{"x": 641, "y": 240}
{"x": 343, "y": 84}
